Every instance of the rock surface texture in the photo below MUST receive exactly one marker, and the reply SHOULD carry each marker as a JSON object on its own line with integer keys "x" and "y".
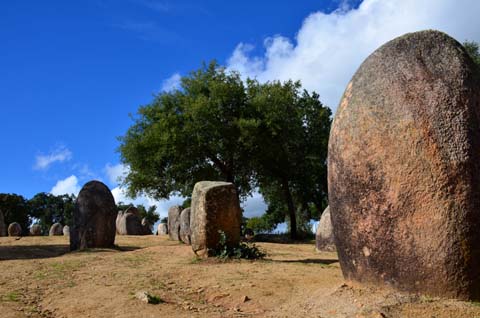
{"x": 404, "y": 169}
{"x": 66, "y": 230}
{"x": 174, "y": 222}
{"x": 3, "y": 227}
{"x": 324, "y": 237}
{"x": 36, "y": 230}
{"x": 185, "y": 226}
{"x": 93, "y": 218}
{"x": 162, "y": 229}
{"x": 215, "y": 208}
{"x": 56, "y": 229}
{"x": 129, "y": 223}
{"x": 14, "y": 229}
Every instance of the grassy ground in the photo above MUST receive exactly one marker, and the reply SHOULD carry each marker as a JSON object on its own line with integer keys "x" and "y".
{"x": 40, "y": 278}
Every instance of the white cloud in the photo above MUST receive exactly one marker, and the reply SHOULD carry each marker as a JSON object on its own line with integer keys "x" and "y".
{"x": 328, "y": 48}
{"x": 60, "y": 154}
{"x": 66, "y": 186}
{"x": 171, "y": 83}
{"x": 115, "y": 172}
{"x": 254, "y": 206}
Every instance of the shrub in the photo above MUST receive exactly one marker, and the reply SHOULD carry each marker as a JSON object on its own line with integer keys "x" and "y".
{"x": 243, "y": 250}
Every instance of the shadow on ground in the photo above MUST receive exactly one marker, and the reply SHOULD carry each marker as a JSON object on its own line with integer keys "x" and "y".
{"x": 19, "y": 252}
{"x": 308, "y": 261}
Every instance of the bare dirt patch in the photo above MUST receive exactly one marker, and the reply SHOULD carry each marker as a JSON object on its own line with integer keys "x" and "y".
{"x": 40, "y": 278}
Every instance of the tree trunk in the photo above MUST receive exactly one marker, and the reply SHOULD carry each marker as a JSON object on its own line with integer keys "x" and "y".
{"x": 291, "y": 209}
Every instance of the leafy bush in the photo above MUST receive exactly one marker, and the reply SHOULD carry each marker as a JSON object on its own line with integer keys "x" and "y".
{"x": 243, "y": 250}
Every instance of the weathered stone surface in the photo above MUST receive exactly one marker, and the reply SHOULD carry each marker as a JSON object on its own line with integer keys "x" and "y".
{"x": 66, "y": 230}
{"x": 56, "y": 229}
{"x": 174, "y": 222}
{"x": 129, "y": 223}
{"x": 14, "y": 229}
{"x": 404, "y": 169}
{"x": 93, "y": 218}
{"x": 162, "y": 229}
{"x": 146, "y": 226}
{"x": 215, "y": 208}
{"x": 36, "y": 230}
{"x": 3, "y": 227}
{"x": 185, "y": 226}
{"x": 324, "y": 237}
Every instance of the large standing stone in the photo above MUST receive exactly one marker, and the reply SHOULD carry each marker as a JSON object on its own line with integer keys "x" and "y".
{"x": 324, "y": 237}
{"x": 56, "y": 229}
{"x": 129, "y": 223}
{"x": 14, "y": 229}
{"x": 162, "y": 229}
{"x": 185, "y": 226}
{"x": 3, "y": 227}
{"x": 146, "y": 226}
{"x": 36, "y": 230}
{"x": 215, "y": 208}
{"x": 93, "y": 218}
{"x": 404, "y": 168}
{"x": 174, "y": 222}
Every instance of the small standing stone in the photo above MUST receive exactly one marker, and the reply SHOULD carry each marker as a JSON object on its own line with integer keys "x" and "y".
{"x": 162, "y": 229}
{"x": 174, "y": 222}
{"x": 185, "y": 226}
{"x": 36, "y": 230}
{"x": 14, "y": 229}
{"x": 66, "y": 230}
{"x": 215, "y": 209}
{"x": 324, "y": 240}
{"x": 56, "y": 229}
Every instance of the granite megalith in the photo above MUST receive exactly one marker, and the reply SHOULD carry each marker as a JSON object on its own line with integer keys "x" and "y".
{"x": 162, "y": 229}
{"x": 56, "y": 229}
{"x": 146, "y": 226}
{"x": 215, "y": 208}
{"x": 404, "y": 169}
{"x": 66, "y": 230}
{"x": 324, "y": 240}
{"x": 36, "y": 230}
{"x": 129, "y": 223}
{"x": 14, "y": 229}
{"x": 93, "y": 218}
{"x": 3, "y": 227}
{"x": 185, "y": 226}
{"x": 174, "y": 222}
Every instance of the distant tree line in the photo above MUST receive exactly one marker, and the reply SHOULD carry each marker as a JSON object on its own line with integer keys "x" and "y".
{"x": 46, "y": 209}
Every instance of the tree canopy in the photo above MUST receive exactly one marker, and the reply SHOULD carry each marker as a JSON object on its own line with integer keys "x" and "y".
{"x": 272, "y": 136}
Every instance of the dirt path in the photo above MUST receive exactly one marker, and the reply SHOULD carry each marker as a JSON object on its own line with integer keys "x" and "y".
{"x": 40, "y": 279}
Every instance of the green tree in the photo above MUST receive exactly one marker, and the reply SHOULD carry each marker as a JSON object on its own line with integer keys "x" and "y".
{"x": 149, "y": 214}
{"x": 189, "y": 135}
{"x": 15, "y": 209}
{"x": 288, "y": 137}
{"x": 472, "y": 49}
{"x": 47, "y": 209}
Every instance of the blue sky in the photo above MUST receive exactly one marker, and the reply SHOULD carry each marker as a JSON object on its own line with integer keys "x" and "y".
{"x": 72, "y": 71}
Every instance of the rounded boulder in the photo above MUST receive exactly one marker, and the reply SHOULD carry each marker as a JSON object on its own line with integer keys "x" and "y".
{"x": 14, "y": 229}
{"x": 36, "y": 230}
{"x": 404, "y": 168}
{"x": 93, "y": 218}
{"x": 56, "y": 229}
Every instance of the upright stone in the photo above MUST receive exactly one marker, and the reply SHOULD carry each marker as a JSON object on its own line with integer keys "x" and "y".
{"x": 66, "y": 230}
{"x": 324, "y": 237}
{"x": 404, "y": 168}
{"x": 14, "y": 229}
{"x": 36, "y": 230}
{"x": 215, "y": 208}
{"x": 3, "y": 227}
{"x": 162, "y": 229}
{"x": 56, "y": 229}
{"x": 185, "y": 226}
{"x": 146, "y": 226}
{"x": 174, "y": 222}
{"x": 93, "y": 218}
{"x": 129, "y": 223}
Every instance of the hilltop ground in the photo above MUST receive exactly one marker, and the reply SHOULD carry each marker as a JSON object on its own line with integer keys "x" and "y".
{"x": 40, "y": 279}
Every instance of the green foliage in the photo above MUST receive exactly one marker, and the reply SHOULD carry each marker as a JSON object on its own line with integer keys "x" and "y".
{"x": 243, "y": 250}
{"x": 48, "y": 209}
{"x": 15, "y": 209}
{"x": 472, "y": 49}
{"x": 261, "y": 224}
{"x": 189, "y": 135}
